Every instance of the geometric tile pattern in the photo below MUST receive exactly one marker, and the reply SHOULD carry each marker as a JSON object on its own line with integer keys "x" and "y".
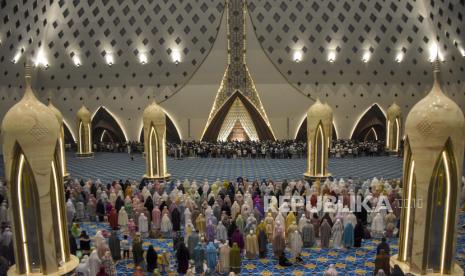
{"x": 111, "y": 166}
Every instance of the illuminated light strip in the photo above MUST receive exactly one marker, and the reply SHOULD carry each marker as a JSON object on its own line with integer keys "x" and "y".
{"x": 150, "y": 152}
{"x": 374, "y": 132}
{"x": 361, "y": 116}
{"x": 446, "y": 222}
{"x": 321, "y": 159}
{"x": 70, "y": 130}
{"x": 115, "y": 118}
{"x": 62, "y": 155}
{"x": 335, "y": 129}
{"x": 409, "y": 199}
{"x": 21, "y": 214}
{"x": 398, "y": 134}
{"x": 90, "y": 139}
{"x": 80, "y": 136}
{"x": 60, "y": 221}
{"x": 103, "y": 133}
{"x": 388, "y": 137}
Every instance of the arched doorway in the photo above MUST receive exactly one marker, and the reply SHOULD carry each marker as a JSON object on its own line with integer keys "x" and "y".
{"x": 371, "y": 126}
{"x": 105, "y": 128}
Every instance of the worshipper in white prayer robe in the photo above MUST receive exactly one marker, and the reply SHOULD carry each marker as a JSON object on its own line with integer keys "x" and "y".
{"x": 235, "y": 210}
{"x": 224, "y": 263}
{"x": 123, "y": 220}
{"x": 80, "y": 211}
{"x": 83, "y": 269}
{"x": 295, "y": 244}
{"x": 70, "y": 212}
{"x": 377, "y": 226}
{"x": 94, "y": 263}
{"x": 350, "y": 218}
{"x": 331, "y": 271}
{"x": 143, "y": 226}
{"x": 302, "y": 222}
{"x": 187, "y": 216}
{"x": 337, "y": 232}
{"x": 166, "y": 226}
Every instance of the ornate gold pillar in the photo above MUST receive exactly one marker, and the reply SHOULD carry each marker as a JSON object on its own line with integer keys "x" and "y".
{"x": 393, "y": 128}
{"x": 433, "y": 162}
{"x": 61, "y": 141}
{"x": 84, "y": 133}
{"x": 154, "y": 120}
{"x": 319, "y": 130}
{"x": 31, "y": 155}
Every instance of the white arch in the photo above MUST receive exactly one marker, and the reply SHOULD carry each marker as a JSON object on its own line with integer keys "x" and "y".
{"x": 114, "y": 117}
{"x": 363, "y": 114}
{"x": 169, "y": 116}
{"x": 70, "y": 129}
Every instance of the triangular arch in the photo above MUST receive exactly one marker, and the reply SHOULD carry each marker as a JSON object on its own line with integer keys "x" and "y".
{"x": 302, "y": 132}
{"x": 213, "y": 129}
{"x": 104, "y": 123}
{"x": 373, "y": 120}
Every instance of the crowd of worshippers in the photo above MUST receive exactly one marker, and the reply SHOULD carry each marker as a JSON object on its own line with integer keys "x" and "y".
{"x": 213, "y": 226}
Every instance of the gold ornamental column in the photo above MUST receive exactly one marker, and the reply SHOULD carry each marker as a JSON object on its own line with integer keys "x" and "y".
{"x": 154, "y": 120}
{"x": 433, "y": 162}
{"x": 31, "y": 153}
{"x": 393, "y": 128}
{"x": 319, "y": 129}
{"x": 84, "y": 133}
{"x": 61, "y": 140}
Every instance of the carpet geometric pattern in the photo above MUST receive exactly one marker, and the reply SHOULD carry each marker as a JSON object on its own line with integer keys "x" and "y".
{"x": 354, "y": 261}
{"x": 111, "y": 166}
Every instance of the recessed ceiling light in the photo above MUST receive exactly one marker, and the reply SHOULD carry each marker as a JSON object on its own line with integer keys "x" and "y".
{"x": 76, "y": 61}
{"x": 366, "y": 57}
{"x": 109, "y": 59}
{"x": 297, "y": 56}
{"x": 143, "y": 58}
{"x": 399, "y": 57}
{"x": 332, "y": 56}
{"x": 176, "y": 56}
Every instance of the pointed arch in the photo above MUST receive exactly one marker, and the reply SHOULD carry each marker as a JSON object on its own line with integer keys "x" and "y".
{"x": 319, "y": 148}
{"x": 69, "y": 135}
{"x": 373, "y": 120}
{"x": 172, "y": 133}
{"x": 263, "y": 130}
{"x": 440, "y": 217}
{"x": 103, "y": 120}
{"x": 302, "y": 132}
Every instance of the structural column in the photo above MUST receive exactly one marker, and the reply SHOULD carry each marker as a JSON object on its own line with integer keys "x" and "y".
{"x": 393, "y": 128}
{"x": 31, "y": 153}
{"x": 319, "y": 131}
{"x": 61, "y": 141}
{"x": 84, "y": 133}
{"x": 154, "y": 120}
{"x": 433, "y": 162}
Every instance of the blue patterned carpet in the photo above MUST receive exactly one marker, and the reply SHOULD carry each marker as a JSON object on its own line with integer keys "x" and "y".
{"x": 111, "y": 166}
{"x": 353, "y": 261}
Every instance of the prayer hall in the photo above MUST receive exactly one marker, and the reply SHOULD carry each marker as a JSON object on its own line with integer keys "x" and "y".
{"x": 232, "y": 137}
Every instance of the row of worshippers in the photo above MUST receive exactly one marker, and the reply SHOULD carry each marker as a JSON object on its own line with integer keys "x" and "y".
{"x": 221, "y": 211}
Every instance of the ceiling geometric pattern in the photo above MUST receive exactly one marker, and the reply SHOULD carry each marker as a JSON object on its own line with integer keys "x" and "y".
{"x": 92, "y": 29}
{"x": 383, "y": 30}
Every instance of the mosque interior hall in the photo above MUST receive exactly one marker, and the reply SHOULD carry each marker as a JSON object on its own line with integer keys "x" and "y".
{"x": 232, "y": 137}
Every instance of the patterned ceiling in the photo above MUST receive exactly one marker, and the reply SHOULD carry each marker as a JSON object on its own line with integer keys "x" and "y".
{"x": 91, "y": 30}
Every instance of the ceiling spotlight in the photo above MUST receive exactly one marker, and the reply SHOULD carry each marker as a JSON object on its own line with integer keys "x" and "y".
{"x": 143, "y": 58}
{"x": 76, "y": 61}
{"x": 462, "y": 51}
{"x": 399, "y": 57}
{"x": 366, "y": 57}
{"x": 176, "y": 56}
{"x": 109, "y": 59}
{"x": 297, "y": 56}
{"x": 435, "y": 52}
{"x": 41, "y": 59}
{"x": 332, "y": 56}
{"x": 16, "y": 57}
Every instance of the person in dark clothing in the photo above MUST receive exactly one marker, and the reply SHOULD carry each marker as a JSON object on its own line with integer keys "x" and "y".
{"x": 151, "y": 259}
{"x": 383, "y": 245}
{"x": 283, "y": 261}
{"x": 382, "y": 262}
{"x": 149, "y": 205}
{"x": 358, "y": 234}
{"x": 100, "y": 210}
{"x": 176, "y": 219}
{"x": 396, "y": 271}
{"x": 84, "y": 243}
{"x": 72, "y": 243}
{"x": 262, "y": 243}
{"x": 119, "y": 203}
{"x": 182, "y": 256}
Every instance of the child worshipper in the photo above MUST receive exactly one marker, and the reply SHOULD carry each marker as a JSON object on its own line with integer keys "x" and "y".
{"x": 124, "y": 244}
